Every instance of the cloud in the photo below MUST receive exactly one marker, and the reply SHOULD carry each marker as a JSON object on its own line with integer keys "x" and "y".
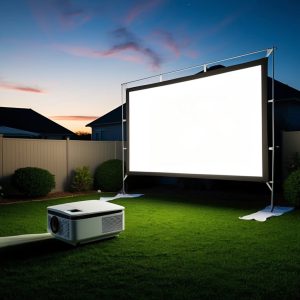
{"x": 21, "y": 88}
{"x": 49, "y": 13}
{"x": 77, "y": 50}
{"x": 154, "y": 58}
{"x": 74, "y": 118}
{"x": 178, "y": 44}
{"x": 71, "y": 15}
{"x": 140, "y": 8}
{"x": 126, "y": 40}
{"x": 126, "y": 46}
{"x": 169, "y": 41}
{"x": 92, "y": 53}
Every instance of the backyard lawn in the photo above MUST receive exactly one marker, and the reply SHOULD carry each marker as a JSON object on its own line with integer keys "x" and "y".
{"x": 175, "y": 246}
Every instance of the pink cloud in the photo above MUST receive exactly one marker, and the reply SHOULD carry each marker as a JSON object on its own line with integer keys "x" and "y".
{"x": 120, "y": 53}
{"x": 169, "y": 42}
{"x": 91, "y": 53}
{"x": 127, "y": 47}
{"x": 74, "y": 118}
{"x": 22, "y": 88}
{"x": 49, "y": 13}
{"x": 71, "y": 15}
{"x": 178, "y": 44}
{"x": 77, "y": 51}
{"x": 126, "y": 40}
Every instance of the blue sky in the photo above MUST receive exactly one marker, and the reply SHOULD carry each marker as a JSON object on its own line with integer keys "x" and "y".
{"x": 66, "y": 59}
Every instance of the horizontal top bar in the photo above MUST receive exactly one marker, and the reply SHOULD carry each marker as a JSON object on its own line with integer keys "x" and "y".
{"x": 267, "y": 50}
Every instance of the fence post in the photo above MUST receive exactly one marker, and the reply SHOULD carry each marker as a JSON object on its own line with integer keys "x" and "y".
{"x": 67, "y": 163}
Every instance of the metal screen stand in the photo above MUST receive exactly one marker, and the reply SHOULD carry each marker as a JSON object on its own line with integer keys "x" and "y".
{"x": 203, "y": 67}
{"x": 123, "y": 101}
{"x": 122, "y": 193}
{"x": 271, "y": 183}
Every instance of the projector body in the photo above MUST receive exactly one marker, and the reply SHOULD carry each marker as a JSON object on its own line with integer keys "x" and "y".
{"x": 85, "y": 221}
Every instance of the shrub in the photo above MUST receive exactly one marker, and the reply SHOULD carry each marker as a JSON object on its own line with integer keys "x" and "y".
{"x": 82, "y": 179}
{"x": 33, "y": 182}
{"x": 295, "y": 163}
{"x": 108, "y": 176}
{"x": 291, "y": 188}
{"x": 8, "y": 190}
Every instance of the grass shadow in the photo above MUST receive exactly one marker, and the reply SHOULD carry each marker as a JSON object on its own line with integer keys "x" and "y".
{"x": 33, "y": 250}
{"x": 226, "y": 198}
{"x": 41, "y": 249}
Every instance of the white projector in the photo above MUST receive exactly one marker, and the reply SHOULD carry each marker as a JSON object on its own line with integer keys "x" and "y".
{"x": 85, "y": 221}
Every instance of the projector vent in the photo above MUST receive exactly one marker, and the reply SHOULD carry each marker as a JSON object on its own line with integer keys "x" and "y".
{"x": 112, "y": 223}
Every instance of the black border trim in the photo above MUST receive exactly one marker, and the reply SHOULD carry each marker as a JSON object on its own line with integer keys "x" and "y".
{"x": 263, "y": 62}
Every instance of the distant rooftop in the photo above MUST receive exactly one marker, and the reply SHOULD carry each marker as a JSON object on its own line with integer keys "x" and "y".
{"x": 29, "y": 120}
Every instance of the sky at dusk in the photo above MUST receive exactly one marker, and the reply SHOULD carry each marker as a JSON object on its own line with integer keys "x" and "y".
{"x": 67, "y": 59}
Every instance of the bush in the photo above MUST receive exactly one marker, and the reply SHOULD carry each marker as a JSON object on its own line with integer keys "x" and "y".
{"x": 295, "y": 163}
{"x": 108, "y": 176}
{"x": 82, "y": 179}
{"x": 291, "y": 188}
{"x": 33, "y": 182}
{"x": 8, "y": 190}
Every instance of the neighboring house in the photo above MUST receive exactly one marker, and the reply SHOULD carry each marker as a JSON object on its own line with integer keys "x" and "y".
{"x": 23, "y": 122}
{"x": 109, "y": 126}
{"x": 287, "y": 106}
{"x": 14, "y": 132}
{"x": 287, "y": 115}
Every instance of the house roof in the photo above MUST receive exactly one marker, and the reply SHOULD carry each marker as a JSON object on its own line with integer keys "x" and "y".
{"x": 29, "y": 120}
{"x": 282, "y": 91}
{"x": 112, "y": 117}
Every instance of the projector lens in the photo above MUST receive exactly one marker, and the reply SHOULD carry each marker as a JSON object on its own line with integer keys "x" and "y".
{"x": 54, "y": 224}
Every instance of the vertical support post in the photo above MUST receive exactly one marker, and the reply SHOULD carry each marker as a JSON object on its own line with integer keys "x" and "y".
{"x": 123, "y": 101}
{"x": 67, "y": 162}
{"x": 273, "y": 129}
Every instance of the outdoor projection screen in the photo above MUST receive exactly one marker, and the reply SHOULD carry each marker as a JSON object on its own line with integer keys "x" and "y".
{"x": 209, "y": 125}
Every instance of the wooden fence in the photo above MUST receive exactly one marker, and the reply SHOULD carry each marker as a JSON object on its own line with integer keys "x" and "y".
{"x": 59, "y": 157}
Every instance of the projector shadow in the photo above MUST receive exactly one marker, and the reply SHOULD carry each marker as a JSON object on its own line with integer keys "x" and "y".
{"x": 33, "y": 249}
{"x": 41, "y": 249}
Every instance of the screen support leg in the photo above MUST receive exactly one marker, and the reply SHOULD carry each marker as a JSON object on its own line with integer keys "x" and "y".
{"x": 271, "y": 184}
{"x": 123, "y": 101}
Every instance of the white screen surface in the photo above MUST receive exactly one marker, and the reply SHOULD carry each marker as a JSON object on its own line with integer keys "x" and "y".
{"x": 205, "y": 126}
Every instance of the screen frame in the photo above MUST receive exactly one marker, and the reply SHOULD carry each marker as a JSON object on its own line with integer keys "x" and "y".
{"x": 265, "y": 164}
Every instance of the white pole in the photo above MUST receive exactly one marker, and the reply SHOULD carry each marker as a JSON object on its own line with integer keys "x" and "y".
{"x": 273, "y": 129}
{"x": 123, "y": 87}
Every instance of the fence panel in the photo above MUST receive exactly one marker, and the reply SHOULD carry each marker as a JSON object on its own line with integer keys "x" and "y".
{"x": 91, "y": 154}
{"x": 60, "y": 157}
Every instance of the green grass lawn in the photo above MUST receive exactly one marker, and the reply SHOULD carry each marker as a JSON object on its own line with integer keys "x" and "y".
{"x": 173, "y": 247}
